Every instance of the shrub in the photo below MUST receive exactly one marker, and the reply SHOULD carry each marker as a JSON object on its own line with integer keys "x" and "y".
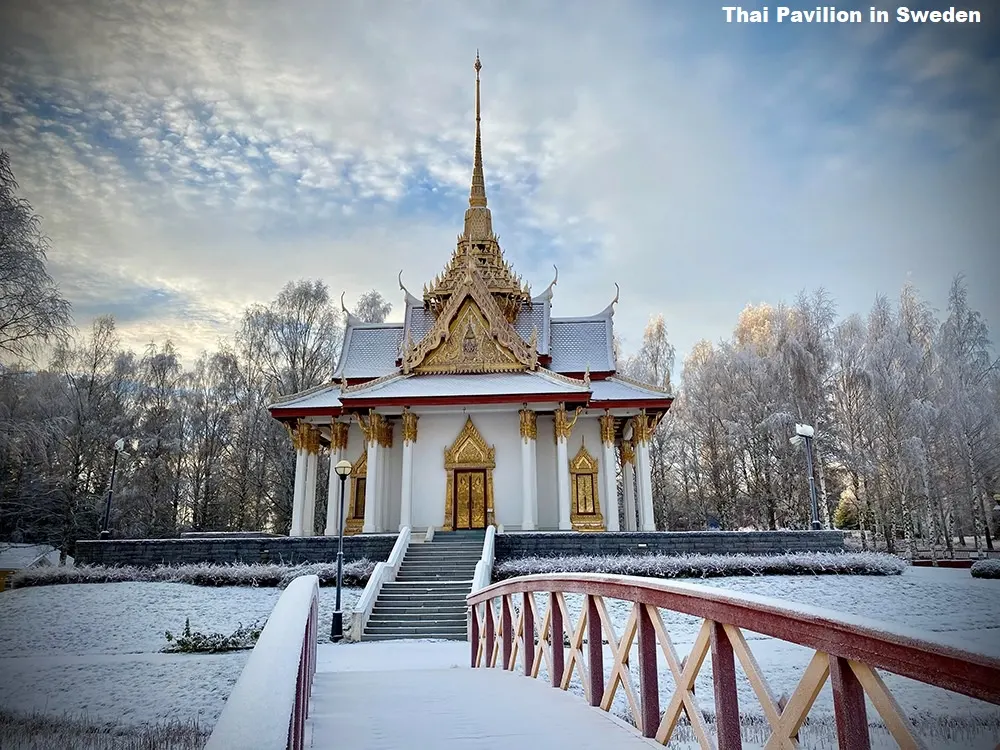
{"x": 708, "y": 566}
{"x": 356, "y": 573}
{"x": 986, "y": 569}
{"x": 189, "y": 642}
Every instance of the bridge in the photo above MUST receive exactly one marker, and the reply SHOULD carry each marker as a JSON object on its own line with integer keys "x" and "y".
{"x": 546, "y": 664}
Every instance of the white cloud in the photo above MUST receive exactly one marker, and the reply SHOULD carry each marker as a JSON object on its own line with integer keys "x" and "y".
{"x": 259, "y": 143}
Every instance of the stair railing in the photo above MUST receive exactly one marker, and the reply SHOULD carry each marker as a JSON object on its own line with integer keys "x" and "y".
{"x": 269, "y": 704}
{"x": 385, "y": 572}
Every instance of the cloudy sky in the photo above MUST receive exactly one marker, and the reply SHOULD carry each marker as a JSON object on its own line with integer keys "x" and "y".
{"x": 190, "y": 157}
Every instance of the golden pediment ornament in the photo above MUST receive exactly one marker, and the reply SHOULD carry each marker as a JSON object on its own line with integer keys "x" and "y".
{"x": 471, "y": 335}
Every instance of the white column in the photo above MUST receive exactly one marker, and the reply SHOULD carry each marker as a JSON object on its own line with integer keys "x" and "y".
{"x": 610, "y": 484}
{"x": 529, "y": 482}
{"x": 338, "y": 446}
{"x": 645, "y": 486}
{"x": 628, "y": 480}
{"x": 406, "y": 490}
{"x": 299, "y": 493}
{"x": 382, "y": 509}
{"x": 309, "y": 510}
{"x": 563, "y": 483}
{"x": 374, "y": 472}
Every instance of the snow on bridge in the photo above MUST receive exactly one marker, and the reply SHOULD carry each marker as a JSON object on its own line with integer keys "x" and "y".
{"x": 422, "y": 694}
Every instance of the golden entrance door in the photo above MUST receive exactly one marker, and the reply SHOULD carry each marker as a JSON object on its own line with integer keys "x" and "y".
{"x": 470, "y": 499}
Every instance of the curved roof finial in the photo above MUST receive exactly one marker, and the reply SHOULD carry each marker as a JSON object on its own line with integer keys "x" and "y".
{"x": 618, "y": 291}
{"x": 410, "y": 299}
{"x": 610, "y": 309}
{"x": 547, "y": 294}
{"x": 343, "y": 307}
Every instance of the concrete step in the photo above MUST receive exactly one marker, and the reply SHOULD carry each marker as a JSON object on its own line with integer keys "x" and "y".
{"x": 435, "y": 562}
{"x": 426, "y": 588}
{"x": 426, "y": 609}
{"x": 406, "y": 631}
{"x": 452, "y": 597}
{"x": 445, "y": 557}
{"x": 416, "y": 576}
{"x": 377, "y": 620}
{"x": 428, "y": 637}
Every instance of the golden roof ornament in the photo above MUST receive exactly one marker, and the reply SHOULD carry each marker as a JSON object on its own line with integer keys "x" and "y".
{"x": 478, "y": 247}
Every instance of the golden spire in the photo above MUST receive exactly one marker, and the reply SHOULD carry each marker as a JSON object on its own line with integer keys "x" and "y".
{"x": 477, "y": 196}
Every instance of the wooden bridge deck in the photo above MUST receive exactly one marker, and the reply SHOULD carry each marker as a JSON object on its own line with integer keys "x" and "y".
{"x": 372, "y": 696}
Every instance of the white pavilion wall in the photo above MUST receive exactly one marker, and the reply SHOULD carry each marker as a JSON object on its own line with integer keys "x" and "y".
{"x": 394, "y": 480}
{"x": 355, "y": 445}
{"x": 436, "y": 433}
{"x": 548, "y": 503}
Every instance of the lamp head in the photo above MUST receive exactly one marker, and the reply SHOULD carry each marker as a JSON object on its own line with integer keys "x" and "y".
{"x": 120, "y": 444}
{"x": 343, "y": 468}
{"x": 804, "y": 430}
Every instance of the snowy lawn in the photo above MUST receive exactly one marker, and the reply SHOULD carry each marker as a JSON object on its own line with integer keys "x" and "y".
{"x": 708, "y": 566}
{"x": 946, "y": 604}
{"x": 94, "y": 649}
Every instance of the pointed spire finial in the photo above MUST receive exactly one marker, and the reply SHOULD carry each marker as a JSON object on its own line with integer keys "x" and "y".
{"x": 477, "y": 196}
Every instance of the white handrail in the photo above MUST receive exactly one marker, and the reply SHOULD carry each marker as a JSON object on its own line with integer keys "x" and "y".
{"x": 385, "y": 572}
{"x": 484, "y": 568}
{"x": 268, "y": 706}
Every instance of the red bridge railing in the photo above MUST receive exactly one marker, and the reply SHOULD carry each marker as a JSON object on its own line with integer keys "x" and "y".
{"x": 506, "y": 628}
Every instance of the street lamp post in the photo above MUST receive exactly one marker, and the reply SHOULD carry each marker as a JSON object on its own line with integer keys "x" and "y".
{"x": 343, "y": 469}
{"x": 806, "y": 433}
{"x": 106, "y": 522}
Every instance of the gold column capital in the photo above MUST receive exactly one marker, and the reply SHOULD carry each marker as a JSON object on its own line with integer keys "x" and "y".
{"x": 642, "y": 428}
{"x": 564, "y": 425}
{"x": 529, "y": 424}
{"x": 338, "y": 435}
{"x": 607, "y": 428}
{"x": 628, "y": 452}
{"x": 409, "y": 427}
{"x": 309, "y": 437}
{"x": 384, "y": 432}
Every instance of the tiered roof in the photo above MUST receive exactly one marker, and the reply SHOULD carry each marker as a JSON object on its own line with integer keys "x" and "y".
{"x": 477, "y": 336}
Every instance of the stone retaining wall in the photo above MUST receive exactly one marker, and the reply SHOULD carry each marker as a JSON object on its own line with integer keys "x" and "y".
{"x": 150, "y": 552}
{"x": 516, "y": 544}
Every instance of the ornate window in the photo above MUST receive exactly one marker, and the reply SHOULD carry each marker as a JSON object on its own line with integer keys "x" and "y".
{"x": 585, "y": 513}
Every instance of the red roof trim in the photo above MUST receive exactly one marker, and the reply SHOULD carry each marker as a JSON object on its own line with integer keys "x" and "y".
{"x": 285, "y": 412}
{"x": 500, "y": 398}
{"x": 633, "y": 403}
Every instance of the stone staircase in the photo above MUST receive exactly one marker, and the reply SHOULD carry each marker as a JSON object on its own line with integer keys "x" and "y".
{"x": 427, "y": 599}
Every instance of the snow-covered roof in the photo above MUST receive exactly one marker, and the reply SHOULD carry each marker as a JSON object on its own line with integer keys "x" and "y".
{"x": 617, "y": 389}
{"x": 539, "y": 383}
{"x": 581, "y": 344}
{"x": 535, "y": 317}
{"x": 20, "y": 556}
{"x": 321, "y": 397}
{"x": 370, "y": 350}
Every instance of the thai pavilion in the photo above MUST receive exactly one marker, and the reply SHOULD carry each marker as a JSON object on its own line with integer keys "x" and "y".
{"x": 479, "y": 408}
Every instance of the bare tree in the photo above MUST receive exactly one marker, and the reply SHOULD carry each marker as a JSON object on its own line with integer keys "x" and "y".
{"x": 372, "y": 307}
{"x": 32, "y": 311}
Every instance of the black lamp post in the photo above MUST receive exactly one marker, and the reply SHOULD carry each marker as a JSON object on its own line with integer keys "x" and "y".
{"x": 343, "y": 469}
{"x": 105, "y": 523}
{"x": 805, "y": 433}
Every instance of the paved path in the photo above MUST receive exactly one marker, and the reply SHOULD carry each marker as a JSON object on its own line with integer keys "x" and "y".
{"x": 429, "y": 699}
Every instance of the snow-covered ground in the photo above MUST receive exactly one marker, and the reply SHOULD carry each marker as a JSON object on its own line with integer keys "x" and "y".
{"x": 94, "y": 648}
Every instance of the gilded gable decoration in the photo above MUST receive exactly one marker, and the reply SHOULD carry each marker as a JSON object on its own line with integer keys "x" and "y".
{"x": 585, "y": 512}
{"x": 469, "y": 464}
{"x": 471, "y": 335}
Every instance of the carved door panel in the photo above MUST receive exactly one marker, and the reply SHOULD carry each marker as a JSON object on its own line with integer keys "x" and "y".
{"x": 470, "y": 499}
{"x": 358, "y": 506}
{"x": 585, "y": 494}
